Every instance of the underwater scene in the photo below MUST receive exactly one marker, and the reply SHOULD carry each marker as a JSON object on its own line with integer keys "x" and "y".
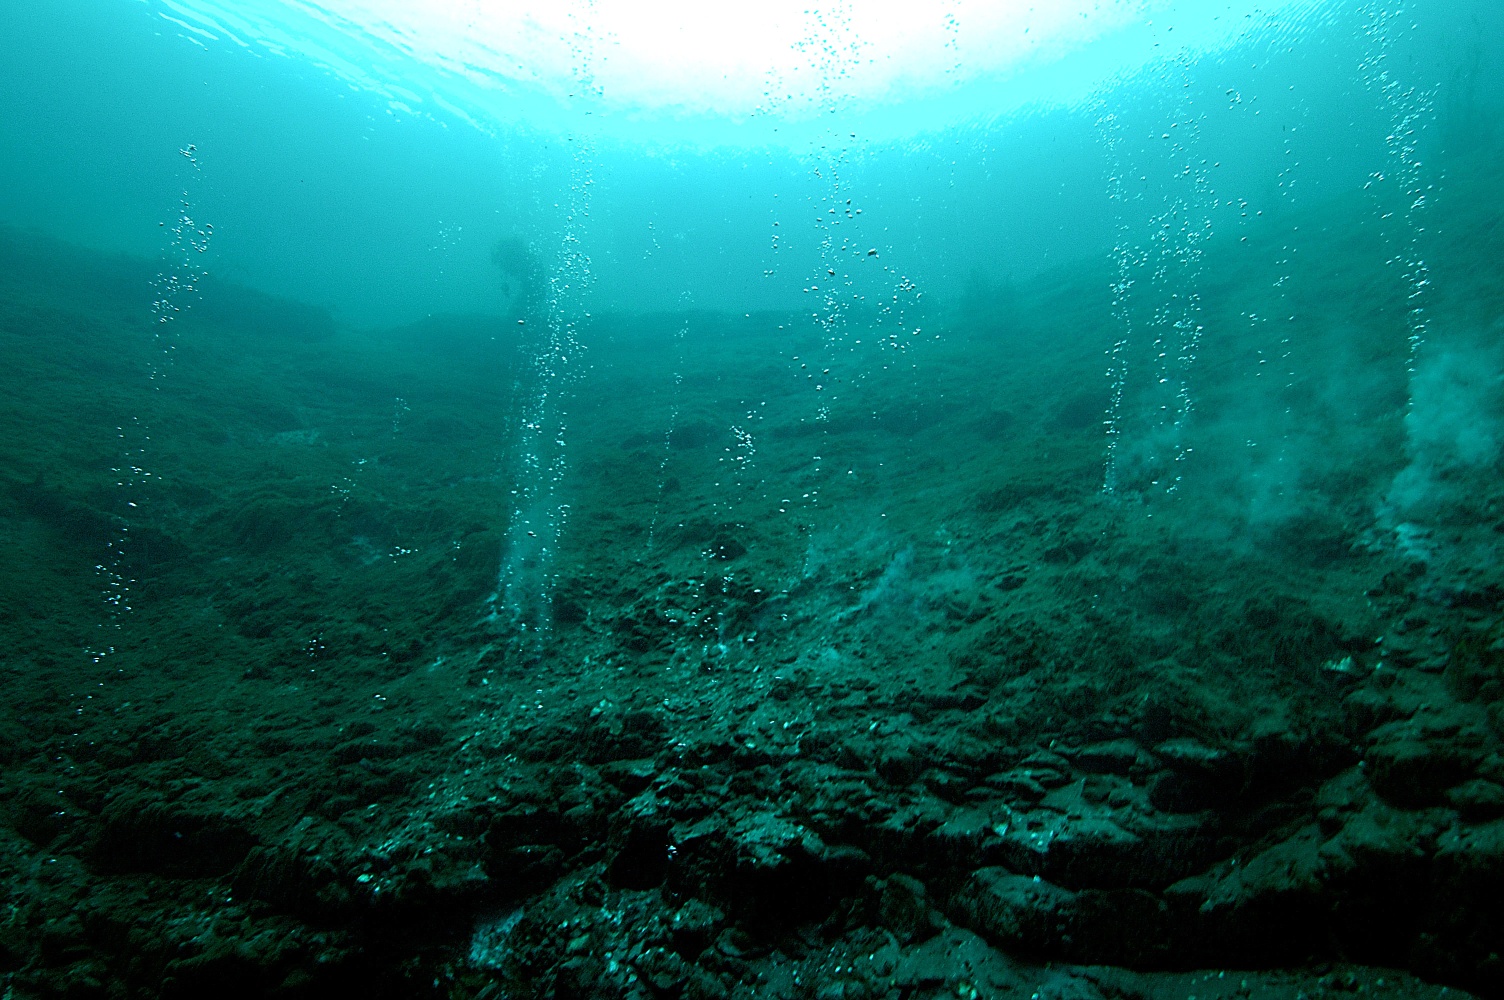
{"x": 814, "y": 500}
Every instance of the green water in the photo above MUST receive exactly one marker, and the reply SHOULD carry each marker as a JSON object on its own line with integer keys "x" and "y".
{"x": 1042, "y": 538}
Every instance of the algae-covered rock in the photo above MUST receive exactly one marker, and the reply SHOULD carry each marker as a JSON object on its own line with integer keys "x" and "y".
{"x": 395, "y": 678}
{"x": 1414, "y": 773}
{"x": 1477, "y": 799}
{"x": 141, "y": 833}
{"x": 1021, "y": 912}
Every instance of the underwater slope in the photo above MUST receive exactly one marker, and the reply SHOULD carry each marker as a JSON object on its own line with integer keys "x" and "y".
{"x": 881, "y": 698}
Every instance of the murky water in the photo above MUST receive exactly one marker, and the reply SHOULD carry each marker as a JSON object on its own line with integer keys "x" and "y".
{"x": 844, "y": 500}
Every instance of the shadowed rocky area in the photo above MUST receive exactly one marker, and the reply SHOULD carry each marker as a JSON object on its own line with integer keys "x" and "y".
{"x": 845, "y": 679}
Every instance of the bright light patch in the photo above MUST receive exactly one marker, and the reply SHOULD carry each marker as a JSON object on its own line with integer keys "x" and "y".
{"x": 737, "y": 59}
{"x": 675, "y": 59}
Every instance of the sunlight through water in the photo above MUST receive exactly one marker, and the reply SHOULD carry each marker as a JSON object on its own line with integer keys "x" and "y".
{"x": 703, "y": 73}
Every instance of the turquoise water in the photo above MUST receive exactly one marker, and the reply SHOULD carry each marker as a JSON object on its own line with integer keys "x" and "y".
{"x": 815, "y": 501}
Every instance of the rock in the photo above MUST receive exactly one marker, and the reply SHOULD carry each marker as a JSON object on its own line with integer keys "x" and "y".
{"x": 694, "y": 926}
{"x": 1046, "y": 759}
{"x": 490, "y": 936}
{"x": 527, "y": 868}
{"x": 435, "y": 878}
{"x": 701, "y": 985}
{"x": 630, "y": 776}
{"x": 1120, "y": 926}
{"x": 144, "y": 834}
{"x": 964, "y": 700}
{"x": 1018, "y": 912}
{"x": 1079, "y": 843}
{"x": 664, "y": 970}
{"x": 40, "y": 817}
{"x": 1113, "y": 757}
{"x": 638, "y": 844}
{"x": 1153, "y": 721}
{"x": 959, "y": 839}
{"x": 1413, "y": 773}
{"x": 947, "y": 785}
{"x": 1019, "y": 783}
{"x": 904, "y": 909}
{"x": 1182, "y": 792}
{"x": 1468, "y": 894}
{"x": 900, "y": 832}
{"x": 762, "y": 867}
{"x": 1273, "y": 904}
{"x": 899, "y": 767}
{"x": 1079, "y": 849}
{"x": 1477, "y": 800}
{"x": 1365, "y": 709}
{"x": 1190, "y": 756}
{"x": 291, "y": 882}
{"x": 962, "y": 961}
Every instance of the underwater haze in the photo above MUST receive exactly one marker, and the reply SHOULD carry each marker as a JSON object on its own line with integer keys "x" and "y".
{"x": 819, "y": 500}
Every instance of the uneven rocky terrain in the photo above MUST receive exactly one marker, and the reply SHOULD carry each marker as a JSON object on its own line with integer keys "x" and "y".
{"x": 868, "y": 690}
